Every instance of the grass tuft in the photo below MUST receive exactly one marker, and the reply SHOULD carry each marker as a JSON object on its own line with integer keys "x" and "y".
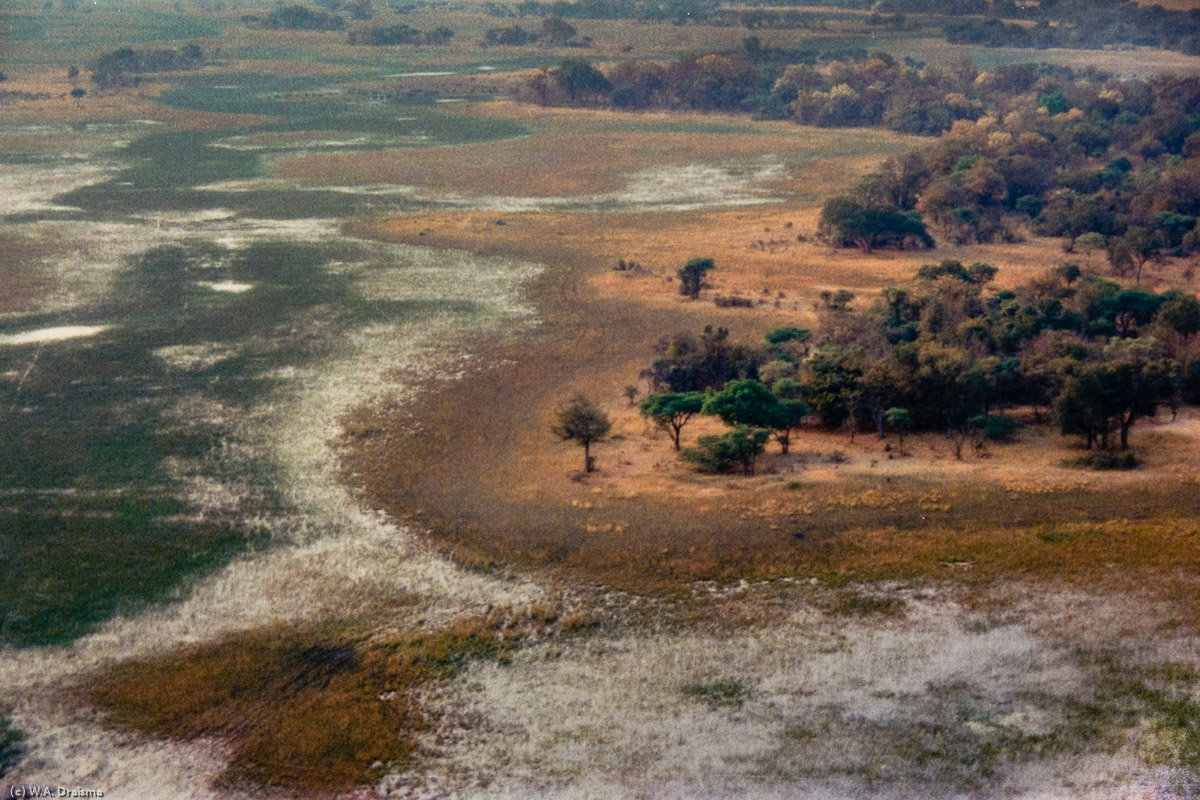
{"x": 723, "y": 692}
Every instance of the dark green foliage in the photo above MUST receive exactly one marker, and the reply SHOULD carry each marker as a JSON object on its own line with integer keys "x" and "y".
{"x": 671, "y": 412}
{"x": 1105, "y": 461}
{"x": 847, "y": 222}
{"x": 741, "y": 445}
{"x": 301, "y": 18}
{"x": 688, "y": 363}
{"x": 691, "y": 276}
{"x": 718, "y": 693}
{"x": 122, "y": 66}
{"x": 511, "y": 36}
{"x": 995, "y": 427}
{"x": 10, "y": 746}
{"x": 388, "y": 35}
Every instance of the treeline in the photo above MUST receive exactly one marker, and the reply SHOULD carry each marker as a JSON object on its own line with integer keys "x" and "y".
{"x": 677, "y": 11}
{"x": 1060, "y": 23}
{"x": 122, "y": 66}
{"x": 401, "y": 34}
{"x": 943, "y": 353}
{"x": 1108, "y": 164}
{"x": 297, "y": 18}
{"x": 553, "y": 31}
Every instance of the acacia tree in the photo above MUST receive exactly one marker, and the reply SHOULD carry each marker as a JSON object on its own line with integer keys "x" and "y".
{"x": 580, "y": 420}
{"x": 670, "y": 412}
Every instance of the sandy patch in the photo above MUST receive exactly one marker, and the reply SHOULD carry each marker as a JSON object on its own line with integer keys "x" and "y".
{"x": 57, "y": 334}
{"x": 829, "y": 707}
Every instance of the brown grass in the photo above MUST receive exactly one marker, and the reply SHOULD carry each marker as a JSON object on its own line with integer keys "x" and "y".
{"x": 310, "y": 711}
{"x": 577, "y": 152}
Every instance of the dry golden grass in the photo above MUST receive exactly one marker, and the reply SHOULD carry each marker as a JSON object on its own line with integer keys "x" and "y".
{"x": 313, "y": 712}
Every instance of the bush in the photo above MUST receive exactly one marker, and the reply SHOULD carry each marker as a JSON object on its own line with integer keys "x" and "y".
{"x": 1105, "y": 461}
{"x": 722, "y": 301}
{"x": 997, "y": 428}
{"x": 741, "y": 445}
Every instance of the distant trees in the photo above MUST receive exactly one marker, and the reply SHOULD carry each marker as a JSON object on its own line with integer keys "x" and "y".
{"x": 582, "y": 421}
{"x": 302, "y": 18}
{"x": 122, "y": 66}
{"x": 691, "y": 276}
{"x": 577, "y": 78}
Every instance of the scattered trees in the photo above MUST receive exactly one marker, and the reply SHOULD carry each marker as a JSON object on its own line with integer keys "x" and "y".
{"x": 943, "y": 352}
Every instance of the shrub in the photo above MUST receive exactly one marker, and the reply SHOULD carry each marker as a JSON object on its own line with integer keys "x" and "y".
{"x": 995, "y": 427}
{"x": 1105, "y": 461}
{"x": 742, "y": 445}
{"x": 733, "y": 302}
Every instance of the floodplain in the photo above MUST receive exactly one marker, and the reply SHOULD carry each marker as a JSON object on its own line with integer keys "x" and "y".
{"x": 281, "y": 513}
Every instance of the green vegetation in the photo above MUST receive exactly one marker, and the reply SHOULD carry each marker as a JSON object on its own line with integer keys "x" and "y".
{"x": 10, "y": 745}
{"x": 311, "y": 710}
{"x": 122, "y": 66}
{"x": 671, "y": 411}
{"x": 940, "y": 353}
{"x": 723, "y": 692}
{"x": 740, "y": 446}
{"x": 691, "y": 276}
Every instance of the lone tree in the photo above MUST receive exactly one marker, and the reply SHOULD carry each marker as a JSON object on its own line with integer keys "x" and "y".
{"x": 580, "y": 420}
{"x": 691, "y": 276}
{"x": 670, "y": 412}
{"x": 901, "y": 422}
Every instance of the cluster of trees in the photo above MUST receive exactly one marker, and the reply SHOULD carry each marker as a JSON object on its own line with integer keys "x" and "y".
{"x": 122, "y": 66}
{"x": 942, "y": 352}
{"x": 298, "y": 18}
{"x": 676, "y": 11}
{"x": 398, "y": 34}
{"x": 1110, "y": 165}
{"x": 554, "y": 31}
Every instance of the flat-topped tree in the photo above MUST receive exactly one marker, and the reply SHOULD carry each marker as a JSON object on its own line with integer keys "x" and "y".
{"x": 582, "y": 421}
{"x": 671, "y": 412}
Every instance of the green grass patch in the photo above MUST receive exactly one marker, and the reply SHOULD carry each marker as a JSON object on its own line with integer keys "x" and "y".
{"x": 724, "y": 692}
{"x": 859, "y": 604}
{"x": 10, "y": 745}
{"x": 64, "y": 574}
